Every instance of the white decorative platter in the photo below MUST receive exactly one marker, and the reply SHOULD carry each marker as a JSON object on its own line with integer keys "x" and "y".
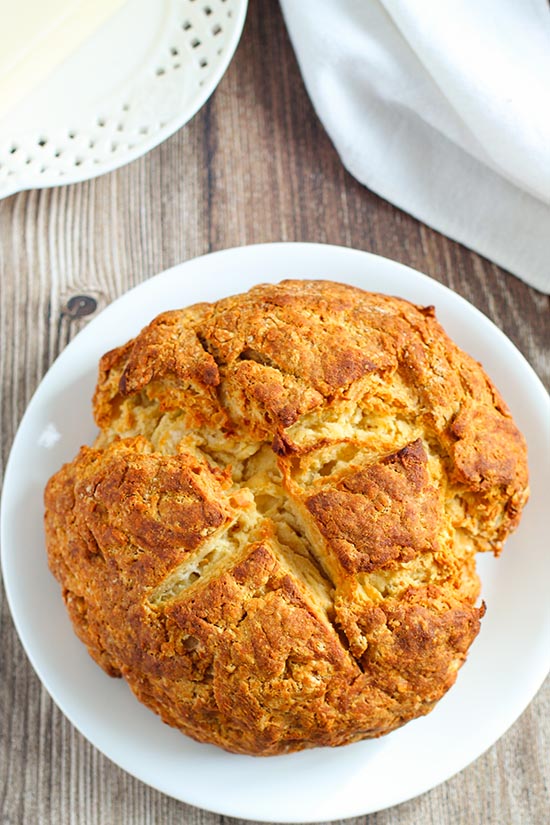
{"x": 137, "y": 80}
{"x": 506, "y": 665}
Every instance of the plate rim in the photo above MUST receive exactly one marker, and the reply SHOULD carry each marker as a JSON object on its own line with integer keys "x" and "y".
{"x": 145, "y": 146}
{"x": 152, "y": 283}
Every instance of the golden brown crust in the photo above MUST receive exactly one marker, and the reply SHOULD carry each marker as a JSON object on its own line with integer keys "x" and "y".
{"x": 383, "y": 513}
{"x": 273, "y": 537}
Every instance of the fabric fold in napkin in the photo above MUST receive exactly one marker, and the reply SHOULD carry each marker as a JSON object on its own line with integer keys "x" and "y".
{"x": 442, "y": 108}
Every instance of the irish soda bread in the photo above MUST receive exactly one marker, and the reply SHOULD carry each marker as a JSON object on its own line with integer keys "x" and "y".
{"x": 273, "y": 537}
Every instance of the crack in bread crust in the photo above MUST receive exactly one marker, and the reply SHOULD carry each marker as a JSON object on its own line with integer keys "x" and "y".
{"x": 273, "y": 537}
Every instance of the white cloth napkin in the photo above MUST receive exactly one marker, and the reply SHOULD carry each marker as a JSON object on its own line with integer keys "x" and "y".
{"x": 443, "y": 108}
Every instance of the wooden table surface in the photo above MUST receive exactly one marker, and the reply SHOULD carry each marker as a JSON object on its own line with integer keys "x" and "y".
{"x": 254, "y": 165}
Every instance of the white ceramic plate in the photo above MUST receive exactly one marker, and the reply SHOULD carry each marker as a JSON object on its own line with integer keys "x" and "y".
{"x": 506, "y": 665}
{"x": 131, "y": 85}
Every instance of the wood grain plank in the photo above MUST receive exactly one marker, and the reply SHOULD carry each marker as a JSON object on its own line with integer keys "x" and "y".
{"x": 254, "y": 165}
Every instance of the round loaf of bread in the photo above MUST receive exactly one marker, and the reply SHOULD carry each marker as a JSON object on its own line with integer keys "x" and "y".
{"x": 273, "y": 538}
